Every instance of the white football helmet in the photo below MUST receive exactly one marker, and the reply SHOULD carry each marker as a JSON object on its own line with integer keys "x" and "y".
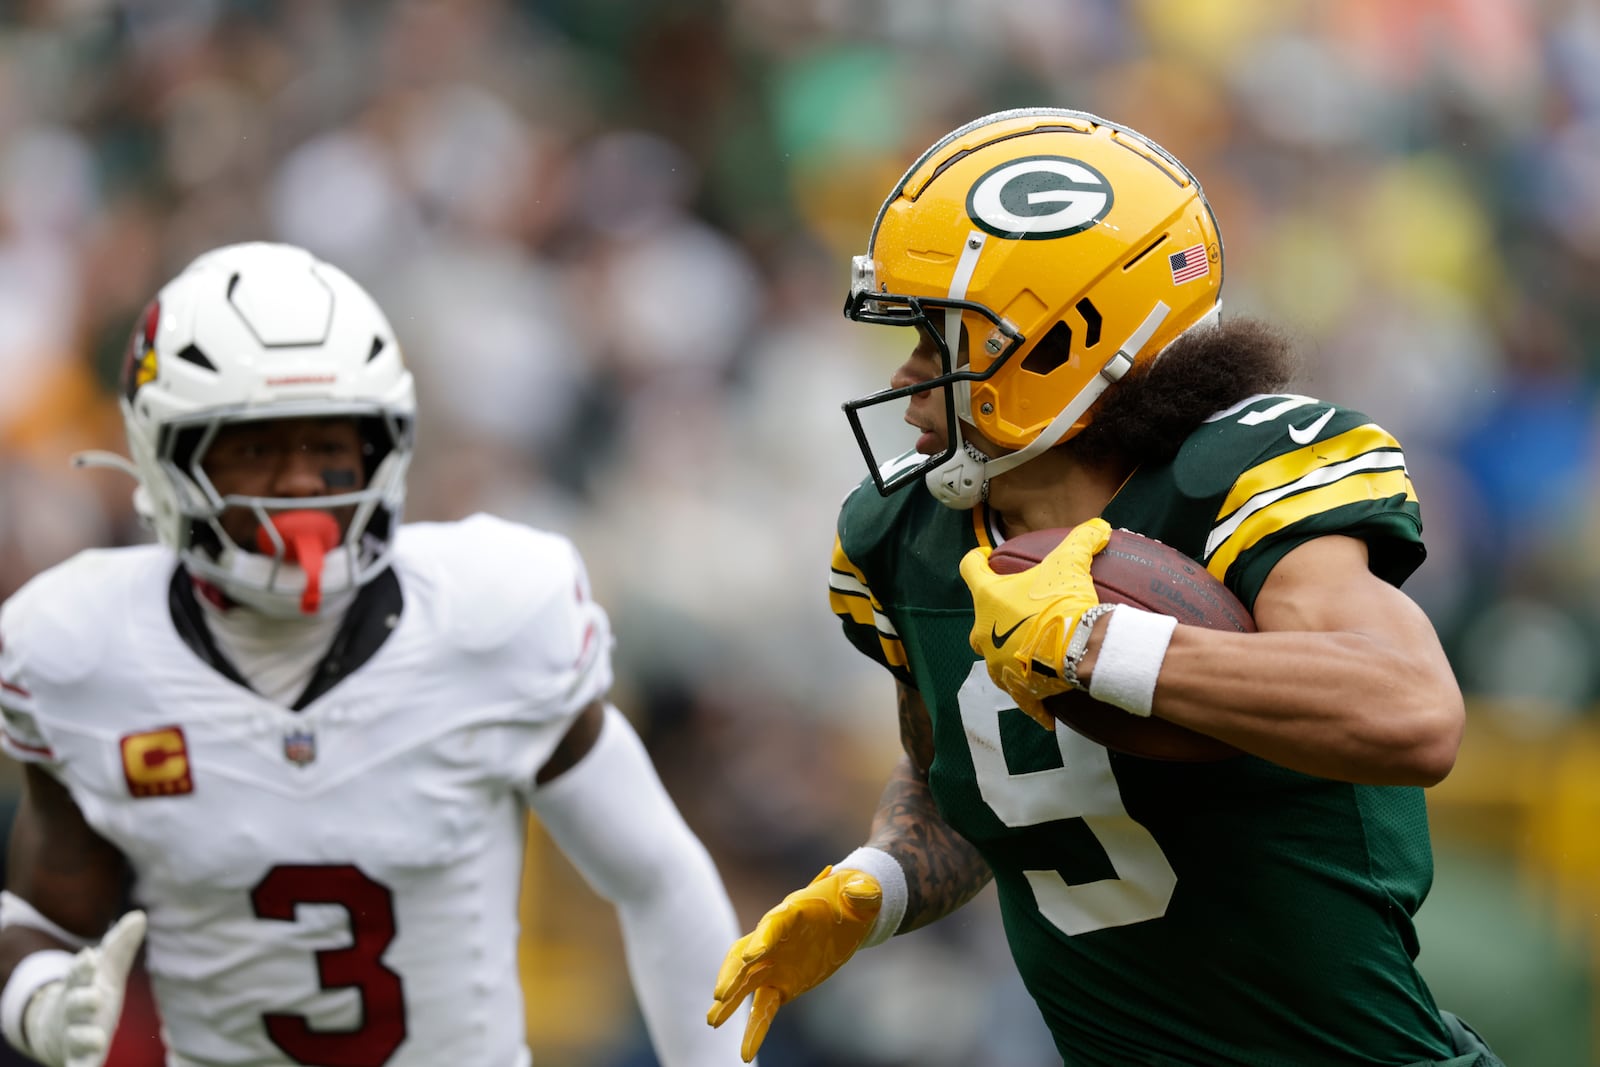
{"x": 264, "y": 331}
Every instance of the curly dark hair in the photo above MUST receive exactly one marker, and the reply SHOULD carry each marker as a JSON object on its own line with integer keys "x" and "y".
{"x": 1146, "y": 416}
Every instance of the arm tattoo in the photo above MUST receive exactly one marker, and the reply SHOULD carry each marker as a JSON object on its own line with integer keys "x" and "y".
{"x": 943, "y": 871}
{"x": 916, "y": 728}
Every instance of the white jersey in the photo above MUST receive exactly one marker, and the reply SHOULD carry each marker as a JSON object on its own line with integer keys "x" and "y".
{"x": 335, "y": 885}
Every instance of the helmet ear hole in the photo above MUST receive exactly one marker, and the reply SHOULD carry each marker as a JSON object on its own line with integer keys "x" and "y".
{"x": 1053, "y": 350}
{"x": 377, "y": 442}
{"x": 1091, "y": 322}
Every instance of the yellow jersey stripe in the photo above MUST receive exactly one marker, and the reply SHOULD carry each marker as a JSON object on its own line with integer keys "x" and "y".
{"x": 983, "y": 526}
{"x": 853, "y": 601}
{"x": 1383, "y": 459}
{"x": 1322, "y": 490}
{"x": 1291, "y": 466}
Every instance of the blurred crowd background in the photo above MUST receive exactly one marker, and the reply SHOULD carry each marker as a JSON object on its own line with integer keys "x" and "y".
{"x": 613, "y": 237}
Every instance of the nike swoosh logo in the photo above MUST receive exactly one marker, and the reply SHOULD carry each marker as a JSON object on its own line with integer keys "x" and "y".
{"x": 1000, "y": 639}
{"x": 1304, "y": 435}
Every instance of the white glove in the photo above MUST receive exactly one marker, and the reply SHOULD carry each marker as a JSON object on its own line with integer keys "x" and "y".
{"x": 69, "y": 1022}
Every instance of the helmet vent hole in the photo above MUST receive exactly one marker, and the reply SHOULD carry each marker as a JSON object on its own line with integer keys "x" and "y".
{"x": 233, "y": 283}
{"x": 1157, "y": 243}
{"x": 1091, "y": 322}
{"x": 1053, "y": 350}
{"x": 191, "y": 354}
{"x": 377, "y": 346}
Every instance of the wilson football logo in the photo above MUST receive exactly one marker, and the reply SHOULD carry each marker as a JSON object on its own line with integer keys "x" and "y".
{"x": 1039, "y": 197}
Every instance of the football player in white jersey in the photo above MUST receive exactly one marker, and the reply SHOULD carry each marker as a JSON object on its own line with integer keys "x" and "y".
{"x": 304, "y": 738}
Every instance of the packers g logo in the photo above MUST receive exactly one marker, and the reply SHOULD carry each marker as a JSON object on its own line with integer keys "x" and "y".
{"x": 1039, "y": 197}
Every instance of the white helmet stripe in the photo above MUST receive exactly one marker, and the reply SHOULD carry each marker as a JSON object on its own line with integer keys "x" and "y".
{"x": 971, "y": 249}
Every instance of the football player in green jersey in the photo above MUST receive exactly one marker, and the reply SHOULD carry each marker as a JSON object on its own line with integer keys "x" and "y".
{"x": 1069, "y": 369}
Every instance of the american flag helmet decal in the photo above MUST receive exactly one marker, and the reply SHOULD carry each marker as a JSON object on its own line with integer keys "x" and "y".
{"x": 1189, "y": 264}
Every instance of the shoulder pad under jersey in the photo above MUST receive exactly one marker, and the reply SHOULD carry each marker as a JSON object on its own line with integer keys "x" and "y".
{"x": 870, "y": 522}
{"x": 1276, "y": 470}
{"x": 1261, "y": 427}
{"x": 502, "y": 582}
{"x": 59, "y": 625}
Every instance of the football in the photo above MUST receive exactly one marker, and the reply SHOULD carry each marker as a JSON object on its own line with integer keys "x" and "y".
{"x": 1145, "y": 573}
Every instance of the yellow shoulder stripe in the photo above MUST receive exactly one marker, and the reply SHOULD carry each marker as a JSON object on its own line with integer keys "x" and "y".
{"x": 1289, "y": 467}
{"x": 1347, "y": 483}
{"x": 852, "y": 600}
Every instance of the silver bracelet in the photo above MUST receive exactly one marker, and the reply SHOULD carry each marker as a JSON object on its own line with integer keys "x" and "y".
{"x": 1079, "y": 644}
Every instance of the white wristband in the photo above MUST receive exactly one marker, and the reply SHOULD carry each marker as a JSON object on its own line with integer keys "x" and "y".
{"x": 892, "y": 878}
{"x": 1129, "y": 660}
{"x": 35, "y": 971}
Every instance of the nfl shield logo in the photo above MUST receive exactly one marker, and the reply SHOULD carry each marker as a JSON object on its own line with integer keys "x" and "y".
{"x": 300, "y": 747}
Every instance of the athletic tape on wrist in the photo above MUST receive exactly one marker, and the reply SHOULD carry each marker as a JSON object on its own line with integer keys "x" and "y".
{"x": 892, "y": 879}
{"x": 1130, "y": 656}
{"x": 35, "y": 971}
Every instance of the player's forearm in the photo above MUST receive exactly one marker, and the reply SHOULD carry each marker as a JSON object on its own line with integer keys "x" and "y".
{"x": 59, "y": 865}
{"x": 614, "y": 820}
{"x": 674, "y": 940}
{"x": 63, "y": 881}
{"x": 1354, "y": 707}
{"x": 942, "y": 870}
{"x": 677, "y": 921}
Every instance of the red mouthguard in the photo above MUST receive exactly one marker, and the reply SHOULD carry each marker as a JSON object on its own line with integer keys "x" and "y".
{"x": 307, "y": 537}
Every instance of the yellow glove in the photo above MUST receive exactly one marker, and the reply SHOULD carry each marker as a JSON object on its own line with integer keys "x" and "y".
{"x": 1024, "y": 621}
{"x": 794, "y": 947}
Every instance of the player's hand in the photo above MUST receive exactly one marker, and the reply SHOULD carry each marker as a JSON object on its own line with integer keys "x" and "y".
{"x": 70, "y": 1022}
{"x": 794, "y": 947}
{"x": 1022, "y": 622}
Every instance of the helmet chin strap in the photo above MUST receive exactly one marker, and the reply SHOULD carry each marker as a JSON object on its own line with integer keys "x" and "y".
{"x": 971, "y": 249}
{"x": 963, "y": 480}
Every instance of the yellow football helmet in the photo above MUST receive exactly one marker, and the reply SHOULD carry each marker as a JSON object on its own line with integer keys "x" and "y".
{"x": 1047, "y": 252}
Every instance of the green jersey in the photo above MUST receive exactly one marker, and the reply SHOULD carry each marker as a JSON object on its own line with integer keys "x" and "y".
{"x": 1162, "y": 913}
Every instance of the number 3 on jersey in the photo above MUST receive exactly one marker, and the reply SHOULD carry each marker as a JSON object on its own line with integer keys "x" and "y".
{"x": 1082, "y": 788}
{"x": 359, "y": 966}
